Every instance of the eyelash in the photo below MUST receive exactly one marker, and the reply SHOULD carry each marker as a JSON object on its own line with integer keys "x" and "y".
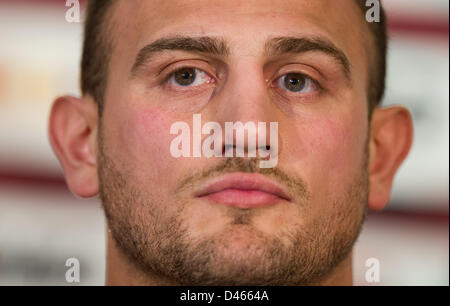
{"x": 197, "y": 73}
{"x": 311, "y": 81}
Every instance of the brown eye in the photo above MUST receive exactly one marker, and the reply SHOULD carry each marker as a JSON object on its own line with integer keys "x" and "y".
{"x": 294, "y": 81}
{"x": 185, "y": 76}
{"x": 297, "y": 82}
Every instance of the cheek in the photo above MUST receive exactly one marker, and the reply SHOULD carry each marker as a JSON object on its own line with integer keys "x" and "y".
{"x": 328, "y": 152}
{"x": 144, "y": 139}
{"x": 152, "y": 126}
{"x": 342, "y": 153}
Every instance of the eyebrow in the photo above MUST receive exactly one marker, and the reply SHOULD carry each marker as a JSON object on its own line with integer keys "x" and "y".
{"x": 204, "y": 44}
{"x": 283, "y": 45}
{"x": 218, "y": 47}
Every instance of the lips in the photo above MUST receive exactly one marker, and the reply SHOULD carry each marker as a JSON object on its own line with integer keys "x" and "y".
{"x": 244, "y": 190}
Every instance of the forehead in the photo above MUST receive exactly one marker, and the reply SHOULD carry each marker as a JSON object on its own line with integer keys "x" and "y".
{"x": 245, "y": 25}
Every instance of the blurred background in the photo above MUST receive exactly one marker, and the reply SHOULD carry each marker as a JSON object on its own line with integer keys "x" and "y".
{"x": 42, "y": 224}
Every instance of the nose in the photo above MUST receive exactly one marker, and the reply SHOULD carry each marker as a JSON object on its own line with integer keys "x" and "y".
{"x": 243, "y": 106}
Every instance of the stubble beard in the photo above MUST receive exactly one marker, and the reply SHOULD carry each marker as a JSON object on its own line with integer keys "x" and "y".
{"x": 159, "y": 245}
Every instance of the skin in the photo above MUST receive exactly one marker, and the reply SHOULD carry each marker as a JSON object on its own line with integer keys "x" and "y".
{"x": 346, "y": 162}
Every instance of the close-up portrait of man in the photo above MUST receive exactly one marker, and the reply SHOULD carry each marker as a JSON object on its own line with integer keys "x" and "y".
{"x": 313, "y": 71}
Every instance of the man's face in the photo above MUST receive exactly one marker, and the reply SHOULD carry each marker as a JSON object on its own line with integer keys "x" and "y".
{"x": 153, "y": 201}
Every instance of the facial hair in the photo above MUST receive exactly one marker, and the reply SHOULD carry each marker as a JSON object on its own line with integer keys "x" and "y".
{"x": 158, "y": 244}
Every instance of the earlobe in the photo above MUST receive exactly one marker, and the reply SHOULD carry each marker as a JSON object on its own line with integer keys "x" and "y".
{"x": 390, "y": 141}
{"x": 73, "y": 134}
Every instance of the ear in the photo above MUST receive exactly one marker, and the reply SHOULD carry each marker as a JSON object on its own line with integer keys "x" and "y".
{"x": 73, "y": 136}
{"x": 390, "y": 141}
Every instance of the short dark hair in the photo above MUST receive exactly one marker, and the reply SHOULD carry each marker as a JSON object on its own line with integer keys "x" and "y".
{"x": 378, "y": 62}
{"x": 97, "y": 47}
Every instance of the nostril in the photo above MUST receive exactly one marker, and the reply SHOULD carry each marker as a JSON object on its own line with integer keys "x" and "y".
{"x": 228, "y": 147}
